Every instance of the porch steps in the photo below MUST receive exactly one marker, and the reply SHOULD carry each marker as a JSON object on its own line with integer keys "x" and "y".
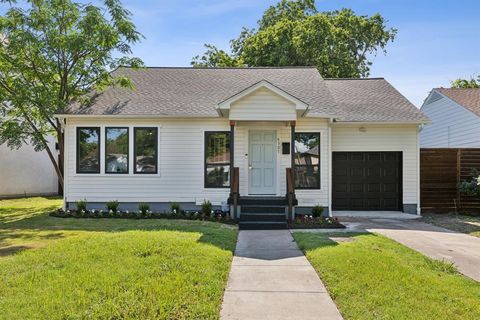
{"x": 263, "y": 214}
{"x": 262, "y": 225}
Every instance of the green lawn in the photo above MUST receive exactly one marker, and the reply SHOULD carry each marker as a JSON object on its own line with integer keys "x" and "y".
{"x": 460, "y": 223}
{"x": 372, "y": 277}
{"x": 53, "y": 268}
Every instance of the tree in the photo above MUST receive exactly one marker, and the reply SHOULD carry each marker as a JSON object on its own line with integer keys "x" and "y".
{"x": 294, "y": 33}
{"x": 53, "y": 52}
{"x": 463, "y": 83}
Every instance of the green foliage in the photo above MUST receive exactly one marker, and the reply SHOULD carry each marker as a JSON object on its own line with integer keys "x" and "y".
{"x": 471, "y": 186}
{"x": 206, "y": 208}
{"x": 317, "y": 211}
{"x": 144, "y": 208}
{"x": 372, "y": 277}
{"x": 81, "y": 205}
{"x": 112, "y": 206}
{"x": 464, "y": 83}
{"x": 53, "y": 52}
{"x": 175, "y": 208}
{"x": 214, "y": 57}
{"x": 293, "y": 33}
{"x": 109, "y": 268}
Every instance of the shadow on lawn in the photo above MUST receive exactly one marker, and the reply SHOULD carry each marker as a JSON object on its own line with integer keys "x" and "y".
{"x": 311, "y": 241}
{"x": 34, "y": 226}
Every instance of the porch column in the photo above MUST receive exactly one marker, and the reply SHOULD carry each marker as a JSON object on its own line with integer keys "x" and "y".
{"x": 291, "y": 197}
{"x": 232, "y": 153}
{"x": 292, "y": 145}
{"x": 233, "y": 175}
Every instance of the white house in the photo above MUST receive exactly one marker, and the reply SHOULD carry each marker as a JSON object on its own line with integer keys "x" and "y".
{"x": 179, "y": 135}
{"x": 455, "y": 116}
{"x": 24, "y": 172}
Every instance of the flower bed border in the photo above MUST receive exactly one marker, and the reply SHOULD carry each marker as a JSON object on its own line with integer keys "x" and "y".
{"x": 194, "y": 216}
{"x": 310, "y": 222}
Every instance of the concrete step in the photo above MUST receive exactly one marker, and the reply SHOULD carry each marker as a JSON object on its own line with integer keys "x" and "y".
{"x": 261, "y": 225}
{"x": 263, "y": 201}
{"x": 263, "y": 209}
{"x": 265, "y": 217}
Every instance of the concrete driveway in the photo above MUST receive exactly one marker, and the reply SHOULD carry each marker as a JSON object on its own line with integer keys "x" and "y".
{"x": 435, "y": 242}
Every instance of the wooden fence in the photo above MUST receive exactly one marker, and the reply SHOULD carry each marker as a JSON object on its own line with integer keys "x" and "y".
{"x": 441, "y": 170}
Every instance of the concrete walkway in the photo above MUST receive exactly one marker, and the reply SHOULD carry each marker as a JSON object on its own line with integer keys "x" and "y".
{"x": 271, "y": 279}
{"x": 435, "y": 242}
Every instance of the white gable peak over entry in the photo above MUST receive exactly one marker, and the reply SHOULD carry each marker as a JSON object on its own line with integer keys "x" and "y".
{"x": 262, "y": 101}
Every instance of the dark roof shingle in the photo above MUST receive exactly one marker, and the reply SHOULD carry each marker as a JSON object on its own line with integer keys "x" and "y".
{"x": 467, "y": 97}
{"x": 372, "y": 100}
{"x": 195, "y": 92}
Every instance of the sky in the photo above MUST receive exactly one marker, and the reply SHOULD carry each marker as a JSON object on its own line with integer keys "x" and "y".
{"x": 437, "y": 41}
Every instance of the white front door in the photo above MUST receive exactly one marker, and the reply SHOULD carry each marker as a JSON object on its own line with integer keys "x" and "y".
{"x": 262, "y": 160}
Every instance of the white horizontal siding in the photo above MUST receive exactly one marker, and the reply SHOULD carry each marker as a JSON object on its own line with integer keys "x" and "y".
{"x": 319, "y": 196}
{"x": 452, "y": 126}
{"x": 282, "y": 129}
{"x": 25, "y": 171}
{"x": 181, "y": 165}
{"x": 263, "y": 104}
{"x": 384, "y": 138}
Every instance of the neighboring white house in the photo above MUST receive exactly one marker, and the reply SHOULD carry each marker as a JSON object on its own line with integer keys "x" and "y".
{"x": 26, "y": 172}
{"x": 455, "y": 116}
{"x": 181, "y": 131}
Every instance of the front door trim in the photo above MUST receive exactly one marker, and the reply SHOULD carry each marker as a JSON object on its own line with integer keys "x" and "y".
{"x": 273, "y": 165}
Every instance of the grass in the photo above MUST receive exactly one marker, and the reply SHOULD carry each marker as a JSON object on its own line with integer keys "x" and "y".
{"x": 53, "y": 268}
{"x": 372, "y": 277}
{"x": 460, "y": 223}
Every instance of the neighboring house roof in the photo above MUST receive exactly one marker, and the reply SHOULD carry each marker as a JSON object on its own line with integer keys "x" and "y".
{"x": 469, "y": 98}
{"x": 372, "y": 100}
{"x": 196, "y": 92}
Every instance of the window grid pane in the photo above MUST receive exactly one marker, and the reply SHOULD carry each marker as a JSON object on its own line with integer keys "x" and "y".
{"x": 88, "y": 150}
{"x": 307, "y": 160}
{"x": 146, "y": 155}
{"x": 217, "y": 159}
{"x": 116, "y": 150}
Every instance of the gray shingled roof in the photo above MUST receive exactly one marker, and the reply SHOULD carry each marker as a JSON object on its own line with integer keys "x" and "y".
{"x": 467, "y": 97}
{"x": 371, "y": 100}
{"x": 195, "y": 92}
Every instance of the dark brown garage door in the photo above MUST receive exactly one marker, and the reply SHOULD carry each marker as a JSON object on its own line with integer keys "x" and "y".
{"x": 367, "y": 181}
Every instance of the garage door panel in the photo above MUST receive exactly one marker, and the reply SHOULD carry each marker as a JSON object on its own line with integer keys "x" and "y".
{"x": 357, "y": 187}
{"x": 374, "y": 187}
{"x": 374, "y": 173}
{"x": 366, "y": 181}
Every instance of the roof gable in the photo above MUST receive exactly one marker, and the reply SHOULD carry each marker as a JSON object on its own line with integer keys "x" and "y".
{"x": 469, "y": 98}
{"x": 263, "y": 84}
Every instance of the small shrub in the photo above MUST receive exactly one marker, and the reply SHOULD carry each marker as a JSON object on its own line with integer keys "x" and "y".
{"x": 471, "y": 187}
{"x": 175, "y": 207}
{"x": 81, "y": 205}
{"x": 206, "y": 208}
{"x": 317, "y": 211}
{"x": 144, "y": 208}
{"x": 112, "y": 206}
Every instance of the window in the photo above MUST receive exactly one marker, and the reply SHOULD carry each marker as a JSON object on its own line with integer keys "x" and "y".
{"x": 145, "y": 147}
{"x": 307, "y": 160}
{"x": 217, "y": 159}
{"x": 116, "y": 150}
{"x": 88, "y": 150}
